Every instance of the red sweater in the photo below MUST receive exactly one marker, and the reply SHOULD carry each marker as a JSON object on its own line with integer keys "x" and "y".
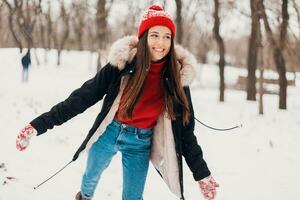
{"x": 151, "y": 102}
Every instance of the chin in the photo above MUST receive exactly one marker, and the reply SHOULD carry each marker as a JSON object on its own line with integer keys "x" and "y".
{"x": 158, "y": 58}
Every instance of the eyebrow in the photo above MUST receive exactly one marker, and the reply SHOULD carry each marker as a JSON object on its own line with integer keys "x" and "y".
{"x": 158, "y": 32}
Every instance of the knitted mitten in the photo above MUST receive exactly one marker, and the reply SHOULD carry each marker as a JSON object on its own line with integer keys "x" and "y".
{"x": 24, "y": 136}
{"x": 208, "y": 187}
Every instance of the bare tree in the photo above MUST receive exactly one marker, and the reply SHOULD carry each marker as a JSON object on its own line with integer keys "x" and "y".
{"x": 102, "y": 31}
{"x": 282, "y": 43}
{"x": 22, "y": 19}
{"x": 190, "y": 10}
{"x": 41, "y": 22}
{"x": 252, "y": 51}
{"x": 278, "y": 58}
{"x": 49, "y": 27}
{"x": 1, "y": 11}
{"x": 78, "y": 18}
{"x": 63, "y": 30}
{"x": 297, "y": 8}
{"x": 50, "y": 37}
{"x": 220, "y": 42}
{"x": 261, "y": 68}
{"x": 179, "y": 30}
{"x": 284, "y": 24}
{"x": 27, "y": 19}
{"x": 292, "y": 51}
{"x": 132, "y": 18}
{"x": 193, "y": 10}
{"x": 11, "y": 18}
{"x": 204, "y": 44}
{"x": 101, "y": 22}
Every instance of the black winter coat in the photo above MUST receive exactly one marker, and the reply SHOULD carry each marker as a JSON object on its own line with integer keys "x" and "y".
{"x": 26, "y": 61}
{"x": 106, "y": 84}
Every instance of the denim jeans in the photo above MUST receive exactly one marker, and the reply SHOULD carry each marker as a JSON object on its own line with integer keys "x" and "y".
{"x": 134, "y": 145}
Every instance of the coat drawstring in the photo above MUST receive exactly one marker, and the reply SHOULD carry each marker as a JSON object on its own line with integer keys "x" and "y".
{"x": 217, "y": 129}
{"x": 53, "y": 175}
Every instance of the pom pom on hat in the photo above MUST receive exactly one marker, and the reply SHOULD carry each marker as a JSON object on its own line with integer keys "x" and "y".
{"x": 155, "y": 7}
{"x": 155, "y": 16}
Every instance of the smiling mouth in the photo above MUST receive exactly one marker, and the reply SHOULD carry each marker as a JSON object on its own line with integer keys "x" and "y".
{"x": 158, "y": 50}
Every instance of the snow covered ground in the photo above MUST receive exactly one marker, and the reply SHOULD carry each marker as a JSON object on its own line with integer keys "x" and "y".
{"x": 257, "y": 162}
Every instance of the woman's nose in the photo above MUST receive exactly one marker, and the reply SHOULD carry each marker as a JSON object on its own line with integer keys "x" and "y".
{"x": 160, "y": 41}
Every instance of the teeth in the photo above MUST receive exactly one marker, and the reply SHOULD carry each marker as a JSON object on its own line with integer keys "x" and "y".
{"x": 159, "y": 50}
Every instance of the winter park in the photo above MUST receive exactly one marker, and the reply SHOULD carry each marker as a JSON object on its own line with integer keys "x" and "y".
{"x": 169, "y": 99}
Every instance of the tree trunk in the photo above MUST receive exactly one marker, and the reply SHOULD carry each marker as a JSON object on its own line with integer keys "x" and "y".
{"x": 64, "y": 16}
{"x": 102, "y": 30}
{"x": 261, "y": 90}
{"x": 278, "y": 58}
{"x": 60, "y": 38}
{"x": 221, "y": 46}
{"x": 16, "y": 39}
{"x": 261, "y": 68}
{"x": 98, "y": 60}
{"x": 179, "y": 31}
{"x": 284, "y": 24}
{"x": 12, "y": 11}
{"x": 58, "y": 57}
{"x": 36, "y": 57}
{"x": 296, "y": 7}
{"x": 80, "y": 11}
{"x": 252, "y": 52}
{"x": 49, "y": 31}
{"x": 280, "y": 65}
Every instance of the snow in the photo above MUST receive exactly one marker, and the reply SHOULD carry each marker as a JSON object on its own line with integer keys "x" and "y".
{"x": 259, "y": 161}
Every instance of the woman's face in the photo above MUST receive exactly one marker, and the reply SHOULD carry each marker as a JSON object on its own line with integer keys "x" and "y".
{"x": 159, "y": 42}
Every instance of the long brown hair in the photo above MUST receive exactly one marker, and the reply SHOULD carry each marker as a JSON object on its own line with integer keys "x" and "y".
{"x": 172, "y": 93}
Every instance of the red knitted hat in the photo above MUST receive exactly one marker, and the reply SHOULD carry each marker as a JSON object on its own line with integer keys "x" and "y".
{"x": 154, "y": 16}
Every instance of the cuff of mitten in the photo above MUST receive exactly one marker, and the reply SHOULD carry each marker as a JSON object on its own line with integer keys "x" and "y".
{"x": 35, "y": 132}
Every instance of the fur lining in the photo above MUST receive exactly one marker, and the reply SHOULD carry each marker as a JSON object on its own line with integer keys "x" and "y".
{"x": 124, "y": 50}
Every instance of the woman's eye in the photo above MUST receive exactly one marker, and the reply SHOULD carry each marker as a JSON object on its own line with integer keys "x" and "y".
{"x": 154, "y": 36}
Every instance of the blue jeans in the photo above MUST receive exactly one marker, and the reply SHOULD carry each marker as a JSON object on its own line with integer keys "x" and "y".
{"x": 134, "y": 144}
{"x": 25, "y": 74}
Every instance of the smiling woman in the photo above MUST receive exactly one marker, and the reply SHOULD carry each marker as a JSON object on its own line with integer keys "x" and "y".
{"x": 147, "y": 113}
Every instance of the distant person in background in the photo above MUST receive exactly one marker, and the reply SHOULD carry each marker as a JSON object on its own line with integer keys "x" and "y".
{"x": 147, "y": 113}
{"x": 26, "y": 61}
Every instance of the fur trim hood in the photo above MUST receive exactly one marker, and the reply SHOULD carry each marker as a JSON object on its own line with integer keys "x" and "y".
{"x": 124, "y": 50}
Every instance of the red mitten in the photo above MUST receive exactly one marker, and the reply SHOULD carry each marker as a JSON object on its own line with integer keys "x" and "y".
{"x": 208, "y": 187}
{"x": 24, "y": 136}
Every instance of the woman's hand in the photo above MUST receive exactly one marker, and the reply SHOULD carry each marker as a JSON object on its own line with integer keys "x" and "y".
{"x": 24, "y": 136}
{"x": 208, "y": 187}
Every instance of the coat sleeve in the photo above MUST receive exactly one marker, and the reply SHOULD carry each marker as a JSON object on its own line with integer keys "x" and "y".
{"x": 79, "y": 100}
{"x": 191, "y": 150}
